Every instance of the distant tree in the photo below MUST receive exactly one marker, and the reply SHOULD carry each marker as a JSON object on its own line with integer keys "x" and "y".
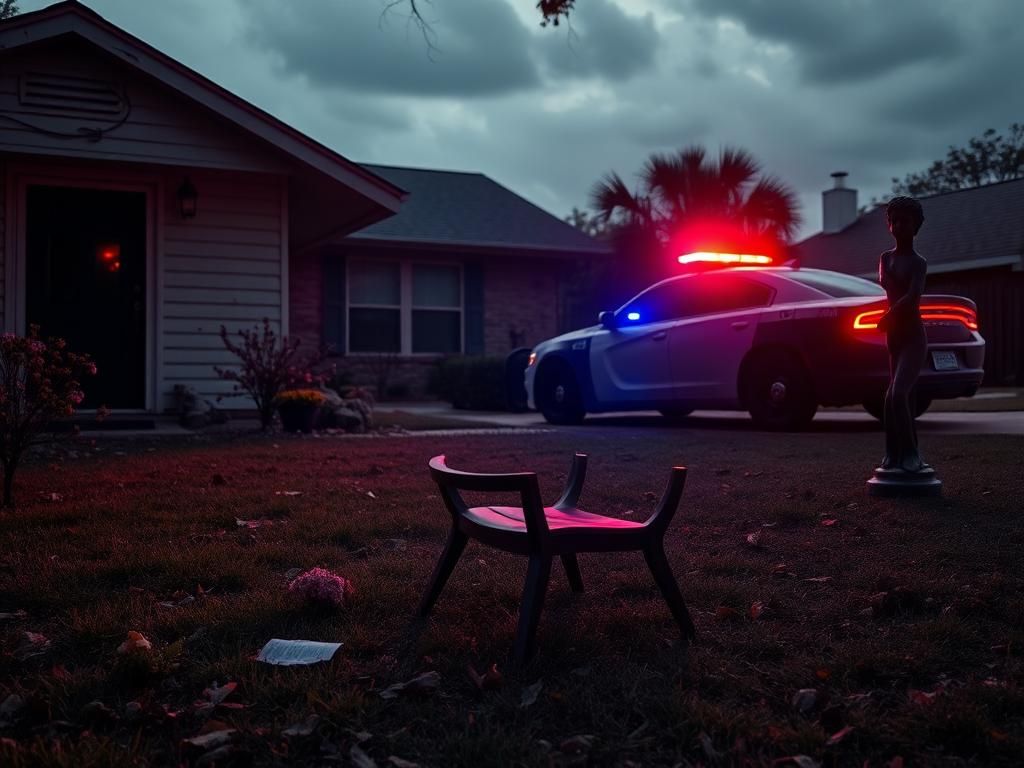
{"x": 686, "y": 195}
{"x": 588, "y": 223}
{"x": 551, "y": 12}
{"x": 9, "y": 8}
{"x": 986, "y": 159}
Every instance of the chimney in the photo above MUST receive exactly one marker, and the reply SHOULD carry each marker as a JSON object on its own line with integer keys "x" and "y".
{"x": 838, "y": 205}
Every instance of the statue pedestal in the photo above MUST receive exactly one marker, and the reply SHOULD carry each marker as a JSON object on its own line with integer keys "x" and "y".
{"x": 899, "y": 482}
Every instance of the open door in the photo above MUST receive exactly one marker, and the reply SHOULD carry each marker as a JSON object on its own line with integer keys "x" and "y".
{"x": 86, "y": 282}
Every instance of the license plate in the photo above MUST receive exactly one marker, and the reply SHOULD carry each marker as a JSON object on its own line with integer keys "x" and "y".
{"x": 945, "y": 361}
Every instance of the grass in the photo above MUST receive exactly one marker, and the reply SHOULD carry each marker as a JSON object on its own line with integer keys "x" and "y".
{"x": 905, "y": 617}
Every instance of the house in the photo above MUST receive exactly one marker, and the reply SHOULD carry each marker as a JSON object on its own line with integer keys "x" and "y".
{"x": 142, "y": 207}
{"x": 465, "y": 267}
{"x": 973, "y": 240}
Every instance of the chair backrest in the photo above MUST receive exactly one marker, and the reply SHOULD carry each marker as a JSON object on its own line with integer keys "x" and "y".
{"x": 451, "y": 481}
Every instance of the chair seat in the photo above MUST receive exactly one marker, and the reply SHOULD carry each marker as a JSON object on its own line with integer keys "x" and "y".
{"x": 512, "y": 519}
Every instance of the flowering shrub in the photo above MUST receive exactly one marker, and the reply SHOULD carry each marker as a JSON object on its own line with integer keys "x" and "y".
{"x": 268, "y": 365}
{"x": 310, "y": 396}
{"x": 321, "y": 588}
{"x": 39, "y": 383}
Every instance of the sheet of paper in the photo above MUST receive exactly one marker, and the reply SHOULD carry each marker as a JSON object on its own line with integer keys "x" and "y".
{"x": 292, "y": 652}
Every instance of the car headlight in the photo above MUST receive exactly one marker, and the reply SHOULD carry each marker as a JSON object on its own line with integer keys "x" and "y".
{"x": 532, "y": 360}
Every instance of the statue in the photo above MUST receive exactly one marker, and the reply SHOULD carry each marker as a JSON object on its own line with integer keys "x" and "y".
{"x": 901, "y": 272}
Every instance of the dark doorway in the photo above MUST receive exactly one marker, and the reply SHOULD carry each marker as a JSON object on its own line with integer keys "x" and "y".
{"x": 86, "y": 282}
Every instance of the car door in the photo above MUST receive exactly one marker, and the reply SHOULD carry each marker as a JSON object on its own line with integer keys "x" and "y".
{"x": 629, "y": 362}
{"x": 707, "y": 346}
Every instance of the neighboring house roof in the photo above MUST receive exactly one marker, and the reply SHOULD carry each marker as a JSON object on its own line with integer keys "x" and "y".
{"x": 451, "y": 208}
{"x": 968, "y": 229}
{"x": 73, "y": 18}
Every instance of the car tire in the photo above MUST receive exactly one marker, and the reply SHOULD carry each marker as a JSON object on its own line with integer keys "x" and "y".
{"x": 876, "y": 406}
{"x": 778, "y": 392}
{"x": 675, "y": 415}
{"x": 558, "y": 395}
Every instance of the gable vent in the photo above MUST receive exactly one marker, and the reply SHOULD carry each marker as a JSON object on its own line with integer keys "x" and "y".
{"x": 73, "y": 96}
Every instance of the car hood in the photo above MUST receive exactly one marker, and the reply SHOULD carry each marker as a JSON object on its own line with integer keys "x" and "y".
{"x": 582, "y": 333}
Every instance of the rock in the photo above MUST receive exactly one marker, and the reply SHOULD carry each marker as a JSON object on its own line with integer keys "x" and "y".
{"x": 194, "y": 411}
{"x": 348, "y": 419}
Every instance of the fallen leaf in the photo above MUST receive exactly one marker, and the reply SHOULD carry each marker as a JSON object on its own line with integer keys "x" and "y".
{"x": 360, "y": 759}
{"x": 209, "y": 741}
{"x": 32, "y": 644}
{"x": 839, "y": 735}
{"x": 803, "y": 761}
{"x": 260, "y": 523}
{"x": 819, "y": 579}
{"x": 530, "y": 693}
{"x": 489, "y": 681}
{"x": 756, "y": 539}
{"x": 725, "y": 613}
{"x": 287, "y": 493}
{"x": 371, "y": 494}
{"x": 136, "y": 641}
{"x": 829, "y": 522}
{"x": 759, "y": 610}
{"x": 217, "y": 693}
{"x": 303, "y": 729}
{"x": 424, "y": 683}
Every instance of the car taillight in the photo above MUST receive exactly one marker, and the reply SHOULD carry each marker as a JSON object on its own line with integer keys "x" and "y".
{"x": 868, "y": 321}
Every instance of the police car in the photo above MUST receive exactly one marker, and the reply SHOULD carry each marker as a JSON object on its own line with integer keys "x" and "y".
{"x": 777, "y": 341}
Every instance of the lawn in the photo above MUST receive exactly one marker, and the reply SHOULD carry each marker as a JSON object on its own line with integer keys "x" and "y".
{"x": 848, "y": 631}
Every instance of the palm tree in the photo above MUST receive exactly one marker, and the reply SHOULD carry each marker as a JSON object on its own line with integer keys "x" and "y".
{"x": 688, "y": 201}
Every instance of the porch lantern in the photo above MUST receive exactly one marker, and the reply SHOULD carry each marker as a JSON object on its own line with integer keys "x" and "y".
{"x": 187, "y": 199}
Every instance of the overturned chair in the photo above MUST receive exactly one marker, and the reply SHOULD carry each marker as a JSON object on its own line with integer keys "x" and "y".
{"x": 542, "y": 533}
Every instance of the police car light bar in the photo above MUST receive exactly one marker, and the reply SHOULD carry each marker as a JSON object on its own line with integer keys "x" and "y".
{"x": 710, "y": 257}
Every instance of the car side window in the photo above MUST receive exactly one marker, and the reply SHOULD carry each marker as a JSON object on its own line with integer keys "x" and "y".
{"x": 668, "y": 301}
{"x": 728, "y": 293}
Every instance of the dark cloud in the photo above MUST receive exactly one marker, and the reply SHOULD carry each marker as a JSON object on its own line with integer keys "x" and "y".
{"x": 472, "y": 48}
{"x": 601, "y": 41}
{"x": 848, "y": 40}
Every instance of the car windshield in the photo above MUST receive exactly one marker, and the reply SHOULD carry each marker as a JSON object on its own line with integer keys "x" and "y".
{"x": 835, "y": 284}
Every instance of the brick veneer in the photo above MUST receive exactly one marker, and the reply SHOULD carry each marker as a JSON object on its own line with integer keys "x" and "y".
{"x": 521, "y": 307}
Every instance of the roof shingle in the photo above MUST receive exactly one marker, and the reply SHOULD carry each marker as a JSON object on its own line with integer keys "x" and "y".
{"x": 470, "y": 209}
{"x": 979, "y": 226}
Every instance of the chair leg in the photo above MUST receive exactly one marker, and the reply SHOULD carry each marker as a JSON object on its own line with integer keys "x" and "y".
{"x": 572, "y": 570}
{"x": 534, "y": 590}
{"x": 658, "y": 563}
{"x": 452, "y": 551}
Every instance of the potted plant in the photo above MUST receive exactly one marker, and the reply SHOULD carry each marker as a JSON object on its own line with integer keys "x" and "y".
{"x": 299, "y": 408}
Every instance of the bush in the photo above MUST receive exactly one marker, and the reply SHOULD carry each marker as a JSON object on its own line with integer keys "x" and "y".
{"x": 472, "y": 383}
{"x": 267, "y": 365}
{"x": 39, "y": 383}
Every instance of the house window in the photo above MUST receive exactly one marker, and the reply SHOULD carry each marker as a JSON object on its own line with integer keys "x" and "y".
{"x": 374, "y": 307}
{"x": 404, "y": 307}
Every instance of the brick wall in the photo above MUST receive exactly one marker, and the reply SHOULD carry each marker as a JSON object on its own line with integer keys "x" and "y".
{"x": 521, "y": 303}
{"x": 521, "y": 308}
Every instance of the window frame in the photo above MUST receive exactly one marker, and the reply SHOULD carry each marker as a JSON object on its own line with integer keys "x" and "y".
{"x": 406, "y": 307}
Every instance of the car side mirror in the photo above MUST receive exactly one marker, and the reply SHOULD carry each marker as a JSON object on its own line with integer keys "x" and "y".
{"x": 607, "y": 320}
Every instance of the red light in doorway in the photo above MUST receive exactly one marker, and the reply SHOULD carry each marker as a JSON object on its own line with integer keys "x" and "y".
{"x": 109, "y": 255}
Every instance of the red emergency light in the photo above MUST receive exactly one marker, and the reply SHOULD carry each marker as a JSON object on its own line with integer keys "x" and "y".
{"x": 713, "y": 257}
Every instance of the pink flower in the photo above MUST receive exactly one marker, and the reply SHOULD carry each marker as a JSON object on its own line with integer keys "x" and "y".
{"x": 320, "y": 587}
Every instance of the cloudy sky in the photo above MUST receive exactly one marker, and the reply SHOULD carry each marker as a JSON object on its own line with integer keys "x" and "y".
{"x": 874, "y": 87}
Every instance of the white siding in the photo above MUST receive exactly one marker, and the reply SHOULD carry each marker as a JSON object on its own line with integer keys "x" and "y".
{"x": 161, "y": 126}
{"x": 3, "y": 244}
{"x": 223, "y": 267}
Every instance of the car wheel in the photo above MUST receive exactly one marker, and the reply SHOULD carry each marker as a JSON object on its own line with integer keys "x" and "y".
{"x": 558, "y": 395}
{"x": 779, "y": 395}
{"x": 675, "y": 415}
{"x": 876, "y": 406}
